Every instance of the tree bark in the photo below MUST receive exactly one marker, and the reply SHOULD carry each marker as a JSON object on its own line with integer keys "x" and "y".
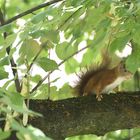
{"x": 86, "y": 115}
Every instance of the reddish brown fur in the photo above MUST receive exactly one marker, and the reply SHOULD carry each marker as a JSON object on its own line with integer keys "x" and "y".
{"x": 84, "y": 78}
{"x": 96, "y": 79}
{"x": 100, "y": 81}
{"x": 91, "y": 72}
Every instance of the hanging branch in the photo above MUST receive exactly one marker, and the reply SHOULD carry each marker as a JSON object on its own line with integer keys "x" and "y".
{"x": 29, "y": 11}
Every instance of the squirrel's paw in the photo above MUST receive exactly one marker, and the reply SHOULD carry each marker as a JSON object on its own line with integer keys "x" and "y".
{"x": 99, "y": 97}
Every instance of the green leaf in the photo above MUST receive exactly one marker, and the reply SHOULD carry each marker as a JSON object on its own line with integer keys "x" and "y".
{"x": 4, "y": 135}
{"x": 1, "y": 41}
{"x": 39, "y": 17}
{"x": 90, "y": 56}
{"x": 133, "y": 61}
{"x": 38, "y": 33}
{"x": 47, "y": 64}
{"x": 136, "y": 34}
{"x": 50, "y": 35}
{"x": 28, "y": 131}
{"x": 15, "y": 101}
{"x": 7, "y": 83}
{"x": 5, "y": 28}
{"x": 76, "y": 2}
{"x": 11, "y": 87}
{"x": 17, "y": 126}
{"x": 100, "y": 41}
{"x": 44, "y": 93}
{"x": 71, "y": 65}
{"x": 64, "y": 50}
{"x": 119, "y": 43}
{"x": 4, "y": 61}
{"x": 2, "y": 53}
{"x": 28, "y": 50}
{"x": 65, "y": 92}
{"x": 9, "y": 40}
{"x": 94, "y": 16}
{"x": 3, "y": 74}
{"x": 36, "y": 78}
{"x": 53, "y": 36}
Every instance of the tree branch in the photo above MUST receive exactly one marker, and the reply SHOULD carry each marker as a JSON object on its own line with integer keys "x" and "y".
{"x": 86, "y": 115}
{"x": 12, "y": 62}
{"x": 69, "y": 18}
{"x": 34, "y": 59}
{"x": 30, "y": 11}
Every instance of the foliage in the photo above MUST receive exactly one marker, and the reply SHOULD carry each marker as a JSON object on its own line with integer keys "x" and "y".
{"x": 47, "y": 38}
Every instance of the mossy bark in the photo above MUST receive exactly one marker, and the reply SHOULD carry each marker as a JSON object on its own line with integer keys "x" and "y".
{"x": 86, "y": 115}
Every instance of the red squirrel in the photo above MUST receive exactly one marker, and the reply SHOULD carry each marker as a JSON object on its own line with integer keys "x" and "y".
{"x": 101, "y": 79}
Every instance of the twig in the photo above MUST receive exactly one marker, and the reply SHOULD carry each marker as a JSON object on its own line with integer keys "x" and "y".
{"x": 68, "y": 18}
{"x": 34, "y": 59}
{"x": 29, "y": 11}
{"x": 49, "y": 84}
{"x": 62, "y": 62}
{"x": 12, "y": 62}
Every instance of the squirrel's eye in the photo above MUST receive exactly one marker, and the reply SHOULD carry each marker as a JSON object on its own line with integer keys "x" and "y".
{"x": 125, "y": 70}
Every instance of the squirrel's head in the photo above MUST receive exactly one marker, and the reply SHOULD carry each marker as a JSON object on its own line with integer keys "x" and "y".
{"x": 123, "y": 71}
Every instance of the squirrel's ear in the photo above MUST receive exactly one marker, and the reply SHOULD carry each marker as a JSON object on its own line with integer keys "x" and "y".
{"x": 122, "y": 66}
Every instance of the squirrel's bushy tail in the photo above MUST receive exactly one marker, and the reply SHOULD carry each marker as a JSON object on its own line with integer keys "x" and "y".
{"x": 91, "y": 71}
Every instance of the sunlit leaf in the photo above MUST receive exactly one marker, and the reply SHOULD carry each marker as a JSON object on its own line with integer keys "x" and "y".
{"x": 132, "y": 62}
{"x": 65, "y": 50}
{"x": 52, "y": 36}
{"x": 30, "y": 132}
{"x": 15, "y": 100}
{"x": 39, "y": 17}
{"x": 65, "y": 91}
{"x": 28, "y": 50}
{"x": 5, "y": 28}
{"x": 3, "y": 74}
{"x": 36, "y": 78}
{"x": 47, "y": 64}
{"x": 71, "y": 65}
{"x": 4, "y": 135}
{"x": 2, "y": 53}
{"x": 42, "y": 93}
{"x": 38, "y": 33}
{"x": 4, "y": 61}
{"x": 136, "y": 34}
{"x": 9, "y": 40}
{"x": 119, "y": 43}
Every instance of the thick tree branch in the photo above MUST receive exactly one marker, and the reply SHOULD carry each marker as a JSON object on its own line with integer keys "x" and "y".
{"x": 30, "y": 11}
{"x": 86, "y": 115}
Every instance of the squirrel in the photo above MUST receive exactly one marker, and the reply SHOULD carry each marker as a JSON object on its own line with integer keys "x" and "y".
{"x": 101, "y": 78}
